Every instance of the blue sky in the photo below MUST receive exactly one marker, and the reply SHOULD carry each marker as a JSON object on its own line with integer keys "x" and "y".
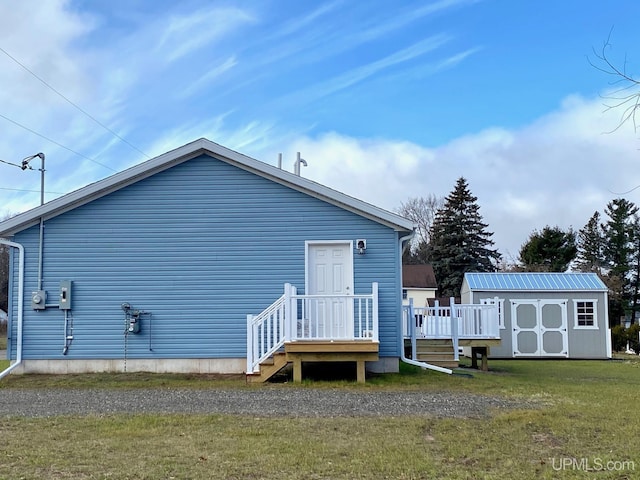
{"x": 385, "y": 99}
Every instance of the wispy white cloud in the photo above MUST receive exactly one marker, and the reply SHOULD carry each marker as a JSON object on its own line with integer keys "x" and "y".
{"x": 184, "y": 34}
{"x": 402, "y": 19}
{"x": 557, "y": 170}
{"x": 209, "y": 77}
{"x": 303, "y": 22}
{"x": 361, "y": 73}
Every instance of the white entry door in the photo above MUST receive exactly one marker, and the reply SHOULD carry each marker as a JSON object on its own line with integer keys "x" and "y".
{"x": 330, "y": 276}
{"x": 539, "y": 328}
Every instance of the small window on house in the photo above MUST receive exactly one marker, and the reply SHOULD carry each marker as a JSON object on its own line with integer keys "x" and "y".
{"x": 585, "y": 314}
{"x": 404, "y": 294}
{"x": 500, "y": 303}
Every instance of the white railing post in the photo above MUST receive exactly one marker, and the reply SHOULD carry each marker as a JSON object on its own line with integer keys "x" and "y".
{"x": 436, "y": 317}
{"x": 293, "y": 313}
{"x": 495, "y": 328}
{"x": 287, "y": 312}
{"x": 374, "y": 310}
{"x": 249, "y": 344}
{"x": 412, "y": 322}
{"x": 454, "y": 328}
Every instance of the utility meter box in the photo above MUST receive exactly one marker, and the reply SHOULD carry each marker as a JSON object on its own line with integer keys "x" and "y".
{"x": 65, "y": 295}
{"x": 38, "y": 299}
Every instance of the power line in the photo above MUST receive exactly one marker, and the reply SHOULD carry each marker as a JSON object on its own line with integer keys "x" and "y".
{"x": 74, "y": 104}
{"x": 56, "y": 143}
{"x": 24, "y": 190}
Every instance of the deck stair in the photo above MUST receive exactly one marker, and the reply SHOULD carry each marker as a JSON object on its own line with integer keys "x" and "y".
{"x": 438, "y": 352}
{"x": 269, "y": 368}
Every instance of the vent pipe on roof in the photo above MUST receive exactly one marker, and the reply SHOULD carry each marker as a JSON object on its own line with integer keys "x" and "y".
{"x": 280, "y": 161}
{"x": 296, "y": 166}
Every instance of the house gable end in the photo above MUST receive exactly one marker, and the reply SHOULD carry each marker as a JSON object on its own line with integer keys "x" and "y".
{"x": 188, "y": 152}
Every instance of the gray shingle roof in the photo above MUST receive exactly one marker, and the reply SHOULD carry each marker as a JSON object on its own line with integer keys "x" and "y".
{"x": 418, "y": 276}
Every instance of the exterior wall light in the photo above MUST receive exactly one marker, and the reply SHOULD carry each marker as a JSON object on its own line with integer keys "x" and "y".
{"x": 361, "y": 245}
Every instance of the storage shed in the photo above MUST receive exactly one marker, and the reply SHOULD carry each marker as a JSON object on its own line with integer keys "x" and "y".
{"x": 560, "y": 315}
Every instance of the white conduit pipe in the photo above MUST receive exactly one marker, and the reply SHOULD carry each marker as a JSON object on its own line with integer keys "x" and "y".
{"x": 18, "y": 361}
{"x": 409, "y": 361}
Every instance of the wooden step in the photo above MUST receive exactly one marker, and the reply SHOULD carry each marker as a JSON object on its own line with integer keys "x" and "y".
{"x": 436, "y": 352}
{"x": 269, "y": 368}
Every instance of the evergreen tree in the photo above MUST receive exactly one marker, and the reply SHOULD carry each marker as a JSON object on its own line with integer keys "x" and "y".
{"x": 635, "y": 269}
{"x": 551, "y": 250}
{"x": 618, "y": 252}
{"x": 591, "y": 246}
{"x": 459, "y": 241}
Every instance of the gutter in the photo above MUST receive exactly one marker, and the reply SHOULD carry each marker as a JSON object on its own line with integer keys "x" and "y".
{"x": 416, "y": 363}
{"x": 20, "y": 307}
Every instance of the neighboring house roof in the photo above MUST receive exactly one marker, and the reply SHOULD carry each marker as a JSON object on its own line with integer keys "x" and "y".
{"x": 182, "y": 154}
{"x": 534, "y": 281}
{"x": 418, "y": 276}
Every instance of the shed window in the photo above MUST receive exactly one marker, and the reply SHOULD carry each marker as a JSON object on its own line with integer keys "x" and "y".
{"x": 404, "y": 294}
{"x": 585, "y": 313}
{"x": 500, "y": 303}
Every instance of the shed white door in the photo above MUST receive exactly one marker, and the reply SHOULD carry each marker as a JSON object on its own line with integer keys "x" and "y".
{"x": 539, "y": 328}
{"x": 330, "y": 276}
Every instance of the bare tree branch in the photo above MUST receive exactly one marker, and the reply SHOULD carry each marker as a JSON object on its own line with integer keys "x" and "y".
{"x": 626, "y": 97}
{"x": 421, "y": 211}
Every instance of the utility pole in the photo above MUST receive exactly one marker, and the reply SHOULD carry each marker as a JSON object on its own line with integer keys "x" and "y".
{"x": 25, "y": 165}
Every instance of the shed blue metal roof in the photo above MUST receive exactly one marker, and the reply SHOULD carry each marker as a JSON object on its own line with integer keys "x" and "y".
{"x": 534, "y": 281}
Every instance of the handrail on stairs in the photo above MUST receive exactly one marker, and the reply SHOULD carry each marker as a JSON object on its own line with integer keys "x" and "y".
{"x": 267, "y": 331}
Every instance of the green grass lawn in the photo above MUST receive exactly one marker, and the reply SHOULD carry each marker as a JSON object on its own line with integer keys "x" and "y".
{"x": 587, "y": 417}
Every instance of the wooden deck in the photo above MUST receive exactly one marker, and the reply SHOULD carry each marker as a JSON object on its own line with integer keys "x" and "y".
{"x": 299, "y": 352}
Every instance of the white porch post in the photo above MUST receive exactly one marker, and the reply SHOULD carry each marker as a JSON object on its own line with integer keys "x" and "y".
{"x": 374, "y": 294}
{"x": 287, "y": 312}
{"x": 495, "y": 326}
{"x": 454, "y": 328}
{"x": 436, "y": 317}
{"x": 412, "y": 326}
{"x": 249, "y": 344}
{"x": 293, "y": 312}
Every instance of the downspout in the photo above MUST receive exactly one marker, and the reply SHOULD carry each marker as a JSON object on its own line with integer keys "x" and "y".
{"x": 20, "y": 306}
{"x": 415, "y": 363}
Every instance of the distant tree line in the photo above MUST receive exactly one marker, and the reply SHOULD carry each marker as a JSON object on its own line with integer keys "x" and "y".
{"x": 452, "y": 236}
{"x": 608, "y": 246}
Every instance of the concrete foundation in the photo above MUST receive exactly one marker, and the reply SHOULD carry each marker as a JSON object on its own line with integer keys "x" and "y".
{"x": 384, "y": 365}
{"x": 176, "y": 365}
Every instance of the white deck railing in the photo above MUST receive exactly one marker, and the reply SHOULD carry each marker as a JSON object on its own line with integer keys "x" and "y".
{"x": 295, "y": 317}
{"x": 467, "y": 321}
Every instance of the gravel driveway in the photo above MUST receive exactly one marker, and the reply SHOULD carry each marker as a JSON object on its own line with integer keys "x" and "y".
{"x": 267, "y": 401}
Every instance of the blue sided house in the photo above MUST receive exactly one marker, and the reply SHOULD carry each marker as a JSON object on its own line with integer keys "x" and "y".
{"x": 561, "y": 315}
{"x": 204, "y": 260}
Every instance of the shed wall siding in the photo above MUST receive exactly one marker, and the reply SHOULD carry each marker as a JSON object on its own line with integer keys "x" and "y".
{"x": 200, "y": 246}
{"x": 583, "y": 343}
